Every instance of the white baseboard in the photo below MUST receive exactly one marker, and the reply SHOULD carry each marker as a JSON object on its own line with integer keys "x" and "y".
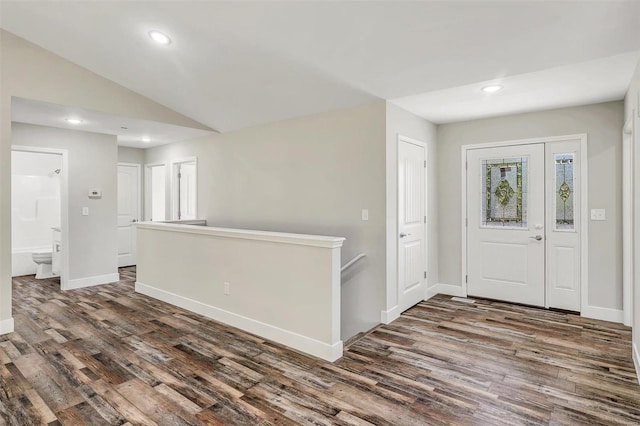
{"x": 91, "y": 281}
{"x": 636, "y": 360}
{"x": 6, "y": 326}
{"x": 326, "y": 351}
{"x": 448, "y": 289}
{"x": 605, "y": 314}
{"x": 390, "y": 315}
{"x": 431, "y": 291}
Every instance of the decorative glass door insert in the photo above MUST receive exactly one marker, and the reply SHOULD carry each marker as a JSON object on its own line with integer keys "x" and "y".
{"x": 504, "y": 193}
{"x": 565, "y": 200}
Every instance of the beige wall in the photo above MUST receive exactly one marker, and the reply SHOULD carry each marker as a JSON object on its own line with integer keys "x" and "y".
{"x": 404, "y": 123}
{"x": 603, "y": 125}
{"x": 93, "y": 241}
{"x": 309, "y": 175}
{"x": 31, "y": 72}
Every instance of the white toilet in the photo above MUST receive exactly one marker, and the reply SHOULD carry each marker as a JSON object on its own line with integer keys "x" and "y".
{"x": 43, "y": 258}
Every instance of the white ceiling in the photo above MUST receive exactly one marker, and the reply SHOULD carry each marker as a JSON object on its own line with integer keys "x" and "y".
{"x": 53, "y": 115}
{"x": 237, "y": 64}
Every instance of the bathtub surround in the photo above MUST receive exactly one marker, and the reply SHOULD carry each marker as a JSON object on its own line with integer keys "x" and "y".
{"x": 35, "y": 206}
{"x": 92, "y": 246}
{"x": 283, "y": 287}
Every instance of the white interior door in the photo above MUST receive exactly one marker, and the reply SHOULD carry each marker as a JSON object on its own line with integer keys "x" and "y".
{"x": 505, "y": 229}
{"x": 411, "y": 223}
{"x": 128, "y": 214}
{"x": 187, "y": 191}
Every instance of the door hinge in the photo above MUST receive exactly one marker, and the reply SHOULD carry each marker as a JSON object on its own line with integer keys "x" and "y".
{"x": 466, "y": 221}
{"x": 179, "y": 175}
{"x": 466, "y": 278}
{"x": 466, "y": 165}
{"x": 425, "y": 274}
{"x": 425, "y": 164}
{"x": 425, "y": 219}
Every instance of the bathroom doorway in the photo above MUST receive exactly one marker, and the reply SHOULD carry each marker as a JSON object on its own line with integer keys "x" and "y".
{"x": 39, "y": 212}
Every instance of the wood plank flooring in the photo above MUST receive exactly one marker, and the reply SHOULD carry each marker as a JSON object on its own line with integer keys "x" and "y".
{"x": 108, "y": 356}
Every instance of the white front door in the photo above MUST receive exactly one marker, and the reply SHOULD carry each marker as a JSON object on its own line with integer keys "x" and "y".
{"x": 411, "y": 223}
{"x": 506, "y": 217}
{"x": 128, "y": 198}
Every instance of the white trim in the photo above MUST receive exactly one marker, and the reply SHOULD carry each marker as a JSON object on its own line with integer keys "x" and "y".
{"x": 64, "y": 203}
{"x": 390, "y": 315}
{"x": 297, "y": 341}
{"x": 584, "y": 222}
{"x": 604, "y": 314}
{"x": 173, "y": 200}
{"x": 147, "y": 189}
{"x": 6, "y": 326}
{"x": 627, "y": 221}
{"x": 246, "y": 234}
{"x": 448, "y": 289}
{"x": 584, "y": 192}
{"x": 91, "y": 281}
{"x": 431, "y": 291}
{"x": 138, "y": 166}
{"x": 636, "y": 361}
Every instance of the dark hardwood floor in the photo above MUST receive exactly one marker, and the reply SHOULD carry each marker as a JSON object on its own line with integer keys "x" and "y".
{"x": 108, "y": 356}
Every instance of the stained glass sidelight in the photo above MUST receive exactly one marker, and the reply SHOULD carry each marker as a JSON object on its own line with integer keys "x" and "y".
{"x": 565, "y": 200}
{"x": 504, "y": 192}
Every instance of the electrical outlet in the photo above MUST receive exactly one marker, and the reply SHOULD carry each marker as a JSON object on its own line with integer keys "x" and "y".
{"x": 227, "y": 289}
{"x": 598, "y": 214}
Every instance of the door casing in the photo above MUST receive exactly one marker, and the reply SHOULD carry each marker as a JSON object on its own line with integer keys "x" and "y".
{"x": 584, "y": 209}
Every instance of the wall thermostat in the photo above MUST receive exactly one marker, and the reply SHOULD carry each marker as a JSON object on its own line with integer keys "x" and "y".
{"x": 95, "y": 193}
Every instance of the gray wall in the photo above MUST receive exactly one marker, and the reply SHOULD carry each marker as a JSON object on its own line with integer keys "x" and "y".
{"x": 632, "y": 111}
{"x": 603, "y": 125}
{"x": 130, "y": 155}
{"x": 306, "y": 175}
{"x": 93, "y": 240}
{"x": 404, "y": 123}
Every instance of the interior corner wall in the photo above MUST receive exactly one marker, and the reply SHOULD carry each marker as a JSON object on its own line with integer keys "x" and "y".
{"x": 603, "y": 125}
{"x": 93, "y": 239}
{"x": 400, "y": 122}
{"x": 632, "y": 111}
{"x": 310, "y": 175}
{"x": 31, "y": 72}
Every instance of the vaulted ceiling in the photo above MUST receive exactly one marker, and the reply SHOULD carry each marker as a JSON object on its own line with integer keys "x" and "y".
{"x": 236, "y": 64}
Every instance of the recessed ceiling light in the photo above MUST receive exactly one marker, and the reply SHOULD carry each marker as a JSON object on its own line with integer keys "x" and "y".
{"x": 146, "y": 139}
{"x": 74, "y": 121}
{"x": 492, "y": 89}
{"x": 159, "y": 37}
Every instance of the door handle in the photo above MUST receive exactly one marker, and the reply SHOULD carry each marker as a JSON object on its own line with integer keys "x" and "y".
{"x": 537, "y": 237}
{"x": 402, "y": 235}
{"x": 134, "y": 220}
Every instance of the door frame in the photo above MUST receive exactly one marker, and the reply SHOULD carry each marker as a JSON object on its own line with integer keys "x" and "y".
{"x": 407, "y": 139}
{"x": 64, "y": 204}
{"x": 138, "y": 167}
{"x": 147, "y": 189}
{"x": 628, "y": 201}
{"x": 584, "y": 207}
{"x": 174, "y": 182}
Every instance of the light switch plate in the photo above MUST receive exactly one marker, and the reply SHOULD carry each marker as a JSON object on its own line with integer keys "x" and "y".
{"x": 365, "y": 214}
{"x": 85, "y": 211}
{"x": 598, "y": 214}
